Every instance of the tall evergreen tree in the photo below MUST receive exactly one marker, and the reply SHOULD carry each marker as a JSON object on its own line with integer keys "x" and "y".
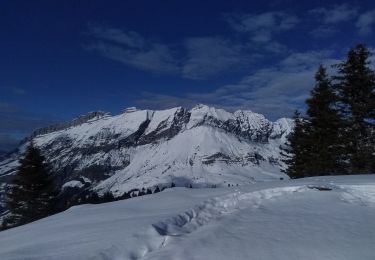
{"x": 355, "y": 86}
{"x": 322, "y": 128}
{"x": 296, "y": 151}
{"x": 31, "y": 194}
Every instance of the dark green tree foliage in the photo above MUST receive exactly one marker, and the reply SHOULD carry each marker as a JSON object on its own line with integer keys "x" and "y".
{"x": 93, "y": 198}
{"x": 31, "y": 194}
{"x": 321, "y": 127}
{"x": 355, "y": 87}
{"x": 338, "y": 134}
{"x": 142, "y": 192}
{"x": 126, "y": 196}
{"x": 107, "y": 197}
{"x": 297, "y": 149}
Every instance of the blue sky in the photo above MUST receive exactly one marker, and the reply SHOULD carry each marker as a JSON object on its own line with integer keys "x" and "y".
{"x": 60, "y": 59}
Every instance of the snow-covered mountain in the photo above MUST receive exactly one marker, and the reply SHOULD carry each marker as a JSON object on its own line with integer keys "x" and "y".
{"x": 136, "y": 149}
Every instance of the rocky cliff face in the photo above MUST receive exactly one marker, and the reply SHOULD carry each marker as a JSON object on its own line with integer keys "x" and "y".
{"x": 138, "y": 149}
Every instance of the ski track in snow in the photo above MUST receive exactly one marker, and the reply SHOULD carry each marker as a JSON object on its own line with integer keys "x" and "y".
{"x": 361, "y": 194}
{"x": 212, "y": 209}
{"x": 215, "y": 208}
{"x": 158, "y": 237}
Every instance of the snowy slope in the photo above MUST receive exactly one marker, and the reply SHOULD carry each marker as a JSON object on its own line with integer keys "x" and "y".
{"x": 270, "y": 220}
{"x": 139, "y": 149}
{"x": 203, "y": 156}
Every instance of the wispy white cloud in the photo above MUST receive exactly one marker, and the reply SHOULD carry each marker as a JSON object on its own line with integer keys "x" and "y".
{"x": 335, "y": 14}
{"x": 193, "y": 58}
{"x": 132, "y": 49}
{"x": 262, "y": 25}
{"x": 157, "y": 58}
{"x": 127, "y": 38}
{"x": 208, "y": 56}
{"x": 330, "y": 18}
{"x": 275, "y": 91}
{"x": 197, "y": 57}
{"x": 366, "y": 22}
{"x": 262, "y": 28}
{"x": 324, "y": 31}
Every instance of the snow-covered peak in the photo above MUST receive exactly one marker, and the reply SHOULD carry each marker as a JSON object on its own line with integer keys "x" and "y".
{"x": 144, "y": 148}
{"x": 250, "y": 115}
{"x": 244, "y": 122}
{"x": 89, "y": 117}
{"x": 129, "y": 110}
{"x": 282, "y": 127}
{"x": 251, "y": 120}
{"x": 161, "y": 119}
{"x": 200, "y": 113}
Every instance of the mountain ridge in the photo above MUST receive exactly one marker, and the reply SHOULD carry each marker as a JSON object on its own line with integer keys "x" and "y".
{"x": 202, "y": 146}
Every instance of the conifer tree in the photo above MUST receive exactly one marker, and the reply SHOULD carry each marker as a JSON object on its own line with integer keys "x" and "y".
{"x": 31, "y": 194}
{"x": 355, "y": 86}
{"x": 93, "y": 198}
{"x": 142, "y": 192}
{"x": 126, "y": 196}
{"x": 107, "y": 197}
{"x": 296, "y": 150}
{"x": 322, "y": 133}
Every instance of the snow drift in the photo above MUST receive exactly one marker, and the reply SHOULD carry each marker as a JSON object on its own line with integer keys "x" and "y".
{"x": 312, "y": 218}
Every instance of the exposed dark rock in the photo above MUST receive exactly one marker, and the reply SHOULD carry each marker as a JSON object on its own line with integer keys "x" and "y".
{"x": 108, "y": 150}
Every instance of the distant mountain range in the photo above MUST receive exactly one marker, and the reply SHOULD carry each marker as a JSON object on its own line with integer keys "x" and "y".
{"x": 200, "y": 147}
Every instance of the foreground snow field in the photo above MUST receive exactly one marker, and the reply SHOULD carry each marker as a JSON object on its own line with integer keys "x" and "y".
{"x": 271, "y": 220}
